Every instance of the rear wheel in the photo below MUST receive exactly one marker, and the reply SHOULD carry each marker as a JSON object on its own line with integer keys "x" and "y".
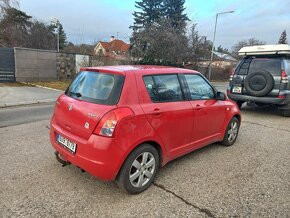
{"x": 139, "y": 170}
{"x": 285, "y": 113}
{"x": 232, "y": 132}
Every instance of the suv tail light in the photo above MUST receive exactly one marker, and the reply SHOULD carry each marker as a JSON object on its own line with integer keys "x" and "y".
{"x": 232, "y": 74}
{"x": 110, "y": 120}
{"x": 284, "y": 77}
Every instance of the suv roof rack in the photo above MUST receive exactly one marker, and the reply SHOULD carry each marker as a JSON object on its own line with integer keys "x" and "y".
{"x": 265, "y": 50}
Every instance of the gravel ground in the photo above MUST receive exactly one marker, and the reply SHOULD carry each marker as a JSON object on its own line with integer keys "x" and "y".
{"x": 249, "y": 179}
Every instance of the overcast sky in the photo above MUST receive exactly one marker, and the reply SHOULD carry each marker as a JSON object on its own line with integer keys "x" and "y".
{"x": 88, "y": 21}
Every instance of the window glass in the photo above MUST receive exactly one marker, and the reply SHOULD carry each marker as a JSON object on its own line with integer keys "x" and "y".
{"x": 272, "y": 65}
{"x": 163, "y": 88}
{"x": 244, "y": 67}
{"x": 96, "y": 87}
{"x": 198, "y": 87}
{"x": 151, "y": 89}
{"x": 287, "y": 66}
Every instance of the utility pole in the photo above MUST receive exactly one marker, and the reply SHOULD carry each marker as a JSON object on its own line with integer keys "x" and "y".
{"x": 212, "y": 48}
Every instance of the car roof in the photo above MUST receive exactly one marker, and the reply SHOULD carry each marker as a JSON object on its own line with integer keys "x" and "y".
{"x": 144, "y": 69}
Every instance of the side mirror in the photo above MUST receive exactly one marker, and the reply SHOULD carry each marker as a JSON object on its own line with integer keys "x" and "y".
{"x": 221, "y": 96}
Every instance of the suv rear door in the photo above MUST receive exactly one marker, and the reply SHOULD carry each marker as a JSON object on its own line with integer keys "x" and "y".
{"x": 253, "y": 65}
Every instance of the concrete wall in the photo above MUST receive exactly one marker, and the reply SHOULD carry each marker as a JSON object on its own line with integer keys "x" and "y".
{"x": 34, "y": 65}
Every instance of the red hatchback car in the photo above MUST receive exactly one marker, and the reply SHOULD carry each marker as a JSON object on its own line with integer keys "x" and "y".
{"x": 122, "y": 123}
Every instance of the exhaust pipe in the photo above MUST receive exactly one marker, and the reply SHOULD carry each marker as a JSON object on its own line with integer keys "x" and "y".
{"x": 60, "y": 159}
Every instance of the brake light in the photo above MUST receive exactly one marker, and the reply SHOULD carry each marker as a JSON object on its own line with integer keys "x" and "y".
{"x": 110, "y": 120}
{"x": 232, "y": 74}
{"x": 284, "y": 77}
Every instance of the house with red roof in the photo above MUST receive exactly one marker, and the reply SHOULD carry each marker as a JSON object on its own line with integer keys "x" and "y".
{"x": 115, "y": 49}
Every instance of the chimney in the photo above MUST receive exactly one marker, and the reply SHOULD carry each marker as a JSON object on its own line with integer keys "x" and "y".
{"x": 112, "y": 38}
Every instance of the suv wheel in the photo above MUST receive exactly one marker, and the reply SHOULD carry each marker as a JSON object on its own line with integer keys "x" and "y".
{"x": 139, "y": 169}
{"x": 232, "y": 132}
{"x": 259, "y": 83}
{"x": 285, "y": 113}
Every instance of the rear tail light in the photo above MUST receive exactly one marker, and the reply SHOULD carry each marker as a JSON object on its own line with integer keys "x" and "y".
{"x": 232, "y": 74}
{"x": 108, "y": 123}
{"x": 284, "y": 77}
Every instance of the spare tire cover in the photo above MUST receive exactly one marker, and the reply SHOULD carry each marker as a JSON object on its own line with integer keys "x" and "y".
{"x": 259, "y": 83}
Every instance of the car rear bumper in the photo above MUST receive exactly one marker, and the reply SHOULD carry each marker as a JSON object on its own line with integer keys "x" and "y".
{"x": 98, "y": 155}
{"x": 266, "y": 100}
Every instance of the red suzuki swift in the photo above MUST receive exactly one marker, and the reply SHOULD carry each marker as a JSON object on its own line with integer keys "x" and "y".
{"x": 122, "y": 123}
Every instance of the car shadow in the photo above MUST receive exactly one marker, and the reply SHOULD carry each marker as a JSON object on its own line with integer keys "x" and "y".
{"x": 260, "y": 110}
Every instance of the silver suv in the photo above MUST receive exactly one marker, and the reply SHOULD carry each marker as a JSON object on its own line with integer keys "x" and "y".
{"x": 262, "y": 77}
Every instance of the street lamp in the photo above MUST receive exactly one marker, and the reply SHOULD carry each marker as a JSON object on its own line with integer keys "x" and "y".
{"x": 55, "y": 22}
{"x": 212, "y": 48}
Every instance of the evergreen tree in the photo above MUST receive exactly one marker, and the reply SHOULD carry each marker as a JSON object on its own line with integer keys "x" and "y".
{"x": 62, "y": 37}
{"x": 57, "y": 27}
{"x": 283, "y": 38}
{"x": 150, "y": 13}
{"x": 14, "y": 28}
{"x": 174, "y": 12}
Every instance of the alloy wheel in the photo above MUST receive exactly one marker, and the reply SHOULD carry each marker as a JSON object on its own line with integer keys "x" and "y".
{"x": 233, "y": 131}
{"x": 142, "y": 169}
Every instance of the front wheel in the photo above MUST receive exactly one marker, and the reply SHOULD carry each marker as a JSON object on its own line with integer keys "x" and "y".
{"x": 232, "y": 132}
{"x": 139, "y": 169}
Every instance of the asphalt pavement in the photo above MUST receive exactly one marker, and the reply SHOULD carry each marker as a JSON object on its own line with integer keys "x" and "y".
{"x": 11, "y": 116}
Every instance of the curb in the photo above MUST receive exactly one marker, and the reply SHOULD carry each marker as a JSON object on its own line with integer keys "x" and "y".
{"x": 25, "y": 103}
{"x": 44, "y": 87}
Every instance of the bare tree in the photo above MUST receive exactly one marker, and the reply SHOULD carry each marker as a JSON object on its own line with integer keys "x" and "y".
{"x": 243, "y": 43}
{"x": 159, "y": 44}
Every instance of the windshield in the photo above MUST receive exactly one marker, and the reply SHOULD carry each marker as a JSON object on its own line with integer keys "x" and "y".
{"x": 96, "y": 87}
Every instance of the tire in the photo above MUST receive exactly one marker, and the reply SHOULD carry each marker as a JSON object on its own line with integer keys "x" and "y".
{"x": 240, "y": 103}
{"x": 232, "y": 132}
{"x": 285, "y": 113}
{"x": 259, "y": 83}
{"x": 141, "y": 165}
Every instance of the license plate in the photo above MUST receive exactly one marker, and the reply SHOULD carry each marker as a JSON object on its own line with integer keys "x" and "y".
{"x": 237, "y": 89}
{"x": 71, "y": 146}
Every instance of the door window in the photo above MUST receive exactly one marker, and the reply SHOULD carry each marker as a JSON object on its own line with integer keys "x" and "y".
{"x": 198, "y": 87}
{"x": 163, "y": 88}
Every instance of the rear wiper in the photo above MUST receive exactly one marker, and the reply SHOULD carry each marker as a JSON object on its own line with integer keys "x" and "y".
{"x": 75, "y": 93}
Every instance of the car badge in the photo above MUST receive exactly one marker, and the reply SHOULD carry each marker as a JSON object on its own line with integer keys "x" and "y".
{"x": 70, "y": 107}
{"x": 87, "y": 125}
{"x": 92, "y": 115}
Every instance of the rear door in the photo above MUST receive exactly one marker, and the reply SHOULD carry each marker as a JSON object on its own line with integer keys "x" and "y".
{"x": 88, "y": 98}
{"x": 167, "y": 111}
{"x": 209, "y": 113}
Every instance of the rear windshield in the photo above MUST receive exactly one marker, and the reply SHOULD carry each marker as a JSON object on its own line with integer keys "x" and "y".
{"x": 96, "y": 87}
{"x": 272, "y": 65}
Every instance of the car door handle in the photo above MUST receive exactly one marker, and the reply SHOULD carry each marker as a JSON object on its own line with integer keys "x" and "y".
{"x": 156, "y": 111}
{"x": 198, "y": 107}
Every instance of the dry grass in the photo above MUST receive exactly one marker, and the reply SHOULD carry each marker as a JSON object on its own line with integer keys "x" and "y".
{"x": 14, "y": 84}
{"x": 61, "y": 85}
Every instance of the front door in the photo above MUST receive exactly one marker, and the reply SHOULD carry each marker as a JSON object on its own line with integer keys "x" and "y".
{"x": 209, "y": 113}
